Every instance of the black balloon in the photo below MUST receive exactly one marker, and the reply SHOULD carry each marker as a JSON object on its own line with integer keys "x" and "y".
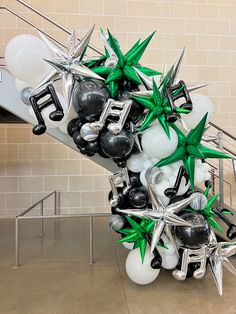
{"x": 73, "y": 126}
{"x": 78, "y": 140}
{"x": 122, "y": 202}
{"x": 136, "y": 110}
{"x": 195, "y": 235}
{"x": 134, "y": 179}
{"x": 117, "y": 145}
{"x": 138, "y": 197}
{"x": 121, "y": 163}
{"x": 93, "y": 147}
{"x": 89, "y": 98}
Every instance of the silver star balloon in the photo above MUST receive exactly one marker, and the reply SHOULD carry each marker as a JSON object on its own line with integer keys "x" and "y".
{"x": 219, "y": 253}
{"x": 173, "y": 72}
{"x": 68, "y": 65}
{"x": 164, "y": 216}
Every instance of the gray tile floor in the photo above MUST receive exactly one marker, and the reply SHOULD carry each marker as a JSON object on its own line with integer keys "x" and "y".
{"x": 55, "y": 277}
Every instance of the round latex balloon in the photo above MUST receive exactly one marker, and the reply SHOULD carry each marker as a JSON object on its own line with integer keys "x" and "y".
{"x": 136, "y": 162}
{"x": 161, "y": 186}
{"x": 128, "y": 245}
{"x": 156, "y": 143}
{"x": 24, "y": 58}
{"x": 21, "y": 84}
{"x": 169, "y": 261}
{"x": 138, "y": 272}
{"x": 201, "y": 105}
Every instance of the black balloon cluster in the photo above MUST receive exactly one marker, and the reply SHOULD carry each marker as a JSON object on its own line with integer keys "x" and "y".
{"x": 89, "y": 100}
{"x": 136, "y": 197}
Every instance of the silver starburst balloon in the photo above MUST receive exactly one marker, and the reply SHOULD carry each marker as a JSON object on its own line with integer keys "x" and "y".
{"x": 218, "y": 253}
{"x": 68, "y": 66}
{"x": 174, "y": 71}
{"x": 164, "y": 216}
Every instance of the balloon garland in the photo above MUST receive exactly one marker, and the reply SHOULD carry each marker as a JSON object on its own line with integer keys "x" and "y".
{"x": 153, "y": 129}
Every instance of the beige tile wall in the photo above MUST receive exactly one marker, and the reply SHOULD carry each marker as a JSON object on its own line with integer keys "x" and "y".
{"x": 30, "y": 166}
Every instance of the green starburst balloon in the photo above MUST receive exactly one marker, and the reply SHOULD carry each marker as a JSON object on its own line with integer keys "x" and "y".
{"x": 190, "y": 148}
{"x": 124, "y": 70}
{"x": 208, "y": 212}
{"x": 158, "y": 107}
{"x": 138, "y": 234}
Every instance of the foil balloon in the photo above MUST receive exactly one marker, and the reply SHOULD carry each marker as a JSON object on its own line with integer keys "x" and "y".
{"x": 190, "y": 148}
{"x": 68, "y": 66}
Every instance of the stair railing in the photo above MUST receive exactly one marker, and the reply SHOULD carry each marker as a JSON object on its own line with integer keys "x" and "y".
{"x": 222, "y": 143}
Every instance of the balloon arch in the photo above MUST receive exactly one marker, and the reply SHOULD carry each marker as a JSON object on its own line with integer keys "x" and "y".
{"x": 152, "y": 125}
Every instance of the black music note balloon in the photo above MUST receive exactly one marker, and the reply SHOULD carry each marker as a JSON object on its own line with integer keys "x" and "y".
{"x": 173, "y": 116}
{"x": 171, "y": 192}
{"x": 52, "y": 99}
{"x": 231, "y": 232}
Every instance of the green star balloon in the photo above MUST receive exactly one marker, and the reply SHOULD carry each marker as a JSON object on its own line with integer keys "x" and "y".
{"x": 158, "y": 107}
{"x": 124, "y": 69}
{"x": 137, "y": 234}
{"x": 208, "y": 212}
{"x": 189, "y": 148}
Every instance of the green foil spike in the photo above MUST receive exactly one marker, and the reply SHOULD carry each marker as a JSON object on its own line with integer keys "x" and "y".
{"x": 124, "y": 69}
{"x": 137, "y": 233}
{"x": 190, "y": 148}
{"x": 158, "y": 107}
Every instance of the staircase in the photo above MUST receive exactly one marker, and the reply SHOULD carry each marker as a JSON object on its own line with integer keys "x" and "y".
{"x": 223, "y": 171}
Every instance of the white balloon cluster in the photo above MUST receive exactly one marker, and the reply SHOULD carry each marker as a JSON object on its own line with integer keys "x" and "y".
{"x": 143, "y": 273}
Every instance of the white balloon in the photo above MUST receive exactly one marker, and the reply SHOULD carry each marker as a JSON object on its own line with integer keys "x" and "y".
{"x": 165, "y": 200}
{"x": 198, "y": 176}
{"x": 207, "y": 176}
{"x": 169, "y": 261}
{"x": 147, "y": 164}
{"x": 138, "y": 272}
{"x": 183, "y": 187}
{"x": 46, "y": 112}
{"x": 167, "y": 171}
{"x": 24, "y": 58}
{"x": 135, "y": 162}
{"x": 156, "y": 143}
{"x": 128, "y": 245}
{"x": 169, "y": 257}
{"x": 201, "y": 105}
{"x": 169, "y": 248}
{"x": 142, "y": 177}
{"x": 161, "y": 186}
{"x": 205, "y": 167}
{"x": 21, "y": 85}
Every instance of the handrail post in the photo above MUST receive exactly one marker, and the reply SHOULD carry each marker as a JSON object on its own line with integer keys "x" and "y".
{"x": 17, "y": 241}
{"x": 221, "y": 170}
{"x": 42, "y": 222}
{"x": 91, "y": 240}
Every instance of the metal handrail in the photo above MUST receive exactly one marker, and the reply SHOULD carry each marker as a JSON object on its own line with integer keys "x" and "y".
{"x": 222, "y": 130}
{"x": 31, "y": 24}
{"x": 56, "y": 215}
{"x": 64, "y": 29}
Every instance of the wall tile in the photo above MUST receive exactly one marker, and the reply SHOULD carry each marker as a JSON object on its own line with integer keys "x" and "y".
{"x": 68, "y": 167}
{"x": 80, "y": 183}
{"x": 55, "y": 151}
{"x": 43, "y": 167}
{"x": 8, "y": 184}
{"x": 30, "y": 184}
{"x": 30, "y": 151}
{"x": 18, "y": 135}
{"x": 52, "y": 183}
{"x": 18, "y": 167}
{"x": 8, "y": 151}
